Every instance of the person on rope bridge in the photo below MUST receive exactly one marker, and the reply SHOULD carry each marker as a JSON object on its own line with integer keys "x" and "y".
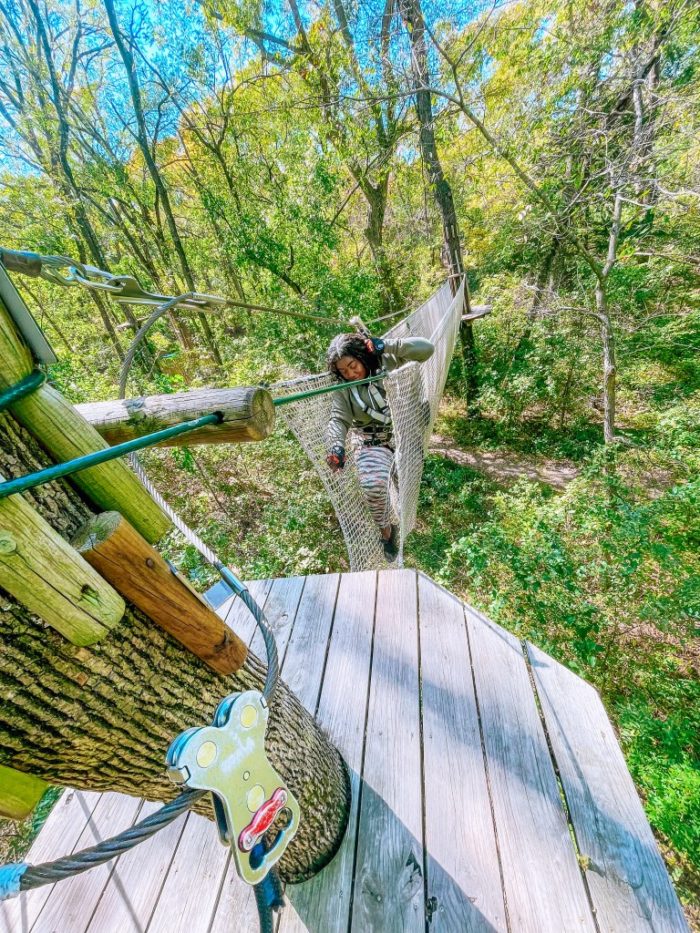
{"x": 365, "y": 408}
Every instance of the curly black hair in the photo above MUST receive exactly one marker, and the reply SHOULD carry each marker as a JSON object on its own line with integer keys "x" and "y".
{"x": 351, "y": 345}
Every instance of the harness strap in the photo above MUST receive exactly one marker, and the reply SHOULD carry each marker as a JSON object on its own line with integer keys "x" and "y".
{"x": 380, "y": 412}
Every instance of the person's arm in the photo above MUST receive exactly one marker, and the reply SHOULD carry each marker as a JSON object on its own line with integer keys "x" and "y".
{"x": 339, "y": 424}
{"x": 410, "y": 348}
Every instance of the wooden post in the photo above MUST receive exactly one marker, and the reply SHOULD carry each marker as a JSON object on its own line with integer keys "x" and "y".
{"x": 140, "y": 574}
{"x": 66, "y": 434}
{"x": 248, "y": 413}
{"x": 19, "y": 793}
{"x": 40, "y": 569}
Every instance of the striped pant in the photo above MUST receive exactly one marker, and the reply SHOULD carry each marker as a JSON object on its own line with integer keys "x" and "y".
{"x": 375, "y": 466}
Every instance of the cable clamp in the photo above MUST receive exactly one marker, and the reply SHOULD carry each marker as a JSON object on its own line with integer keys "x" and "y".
{"x": 228, "y": 759}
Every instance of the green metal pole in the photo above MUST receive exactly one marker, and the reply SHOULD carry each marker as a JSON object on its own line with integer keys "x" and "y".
{"x": 31, "y": 480}
{"x": 298, "y": 396}
{"x": 21, "y": 389}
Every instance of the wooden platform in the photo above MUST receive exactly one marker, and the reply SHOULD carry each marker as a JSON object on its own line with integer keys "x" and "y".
{"x": 489, "y": 790}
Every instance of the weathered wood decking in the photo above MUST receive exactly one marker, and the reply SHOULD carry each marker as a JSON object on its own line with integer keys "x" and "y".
{"x": 489, "y": 790}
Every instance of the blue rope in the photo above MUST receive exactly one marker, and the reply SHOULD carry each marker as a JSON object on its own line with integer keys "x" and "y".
{"x": 10, "y": 878}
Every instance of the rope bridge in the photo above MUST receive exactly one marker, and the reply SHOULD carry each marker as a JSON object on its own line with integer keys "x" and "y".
{"x": 413, "y": 393}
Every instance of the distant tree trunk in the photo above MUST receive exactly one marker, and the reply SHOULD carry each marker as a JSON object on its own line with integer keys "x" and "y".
{"x": 412, "y": 15}
{"x": 606, "y": 327}
{"x": 376, "y": 197}
{"x": 524, "y": 344}
{"x": 103, "y": 717}
{"x": 609, "y": 364}
{"x": 161, "y": 188}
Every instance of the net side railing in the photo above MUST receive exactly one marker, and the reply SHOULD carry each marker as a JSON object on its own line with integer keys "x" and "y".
{"x": 413, "y": 393}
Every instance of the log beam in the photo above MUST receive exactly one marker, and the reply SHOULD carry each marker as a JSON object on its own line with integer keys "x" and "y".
{"x": 19, "y": 793}
{"x": 66, "y": 434}
{"x": 41, "y": 570}
{"x": 137, "y": 571}
{"x": 248, "y": 415}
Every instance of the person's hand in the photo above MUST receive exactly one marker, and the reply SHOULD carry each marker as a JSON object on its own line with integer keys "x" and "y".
{"x": 375, "y": 345}
{"x": 336, "y": 458}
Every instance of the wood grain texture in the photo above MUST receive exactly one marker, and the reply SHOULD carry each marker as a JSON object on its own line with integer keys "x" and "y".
{"x": 248, "y": 415}
{"x": 389, "y": 892}
{"x": 544, "y": 887}
{"x": 280, "y": 611}
{"x": 463, "y": 874}
{"x": 627, "y": 878}
{"x": 131, "y": 893}
{"x": 59, "y": 836}
{"x": 323, "y": 903}
{"x": 139, "y": 573}
{"x": 73, "y": 901}
{"x": 188, "y": 898}
{"x": 235, "y": 907}
{"x": 306, "y": 650}
{"x": 41, "y": 570}
{"x": 19, "y": 793}
{"x": 238, "y": 617}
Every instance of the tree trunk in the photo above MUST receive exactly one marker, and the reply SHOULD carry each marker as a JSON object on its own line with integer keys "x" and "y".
{"x": 524, "y": 345}
{"x": 103, "y": 717}
{"x": 412, "y": 15}
{"x": 609, "y": 364}
{"x": 153, "y": 170}
{"x": 376, "y": 196}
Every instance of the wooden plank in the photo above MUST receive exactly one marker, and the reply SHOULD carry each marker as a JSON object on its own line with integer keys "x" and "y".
{"x": 248, "y": 414}
{"x": 133, "y": 888}
{"x": 389, "y": 890}
{"x": 59, "y": 835}
{"x": 235, "y": 908}
{"x": 19, "y": 793}
{"x": 280, "y": 611}
{"x": 463, "y": 874}
{"x": 323, "y": 903}
{"x": 41, "y": 570}
{"x": 630, "y": 887}
{"x": 118, "y": 552}
{"x": 306, "y": 651}
{"x": 72, "y": 902}
{"x": 283, "y": 611}
{"x": 236, "y": 614}
{"x": 544, "y": 887}
{"x": 188, "y": 898}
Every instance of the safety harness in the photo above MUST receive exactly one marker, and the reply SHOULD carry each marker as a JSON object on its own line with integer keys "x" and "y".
{"x": 379, "y": 434}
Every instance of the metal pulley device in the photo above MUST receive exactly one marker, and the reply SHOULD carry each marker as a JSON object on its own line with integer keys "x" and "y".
{"x": 228, "y": 759}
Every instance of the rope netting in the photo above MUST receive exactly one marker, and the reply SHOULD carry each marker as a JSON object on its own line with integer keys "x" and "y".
{"x": 413, "y": 392}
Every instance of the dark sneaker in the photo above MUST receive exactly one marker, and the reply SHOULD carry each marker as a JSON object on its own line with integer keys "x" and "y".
{"x": 391, "y": 545}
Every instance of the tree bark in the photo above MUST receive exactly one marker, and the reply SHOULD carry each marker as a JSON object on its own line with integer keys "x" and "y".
{"x": 609, "y": 364}
{"x": 412, "y": 15}
{"x": 103, "y": 717}
{"x": 376, "y": 197}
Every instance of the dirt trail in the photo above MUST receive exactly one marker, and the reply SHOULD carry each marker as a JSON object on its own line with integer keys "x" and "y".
{"x": 506, "y": 468}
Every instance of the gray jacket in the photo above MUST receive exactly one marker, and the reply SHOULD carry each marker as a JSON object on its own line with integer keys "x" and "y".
{"x": 346, "y": 413}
